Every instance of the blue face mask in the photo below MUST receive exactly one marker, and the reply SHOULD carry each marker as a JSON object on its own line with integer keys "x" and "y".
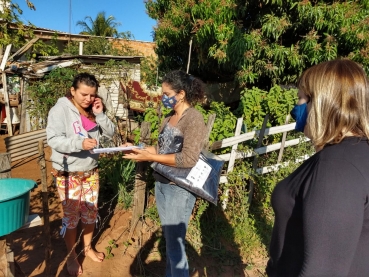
{"x": 299, "y": 113}
{"x": 169, "y": 102}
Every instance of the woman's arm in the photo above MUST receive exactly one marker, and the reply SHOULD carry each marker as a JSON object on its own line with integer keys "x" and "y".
{"x": 102, "y": 119}
{"x": 57, "y": 134}
{"x": 106, "y": 125}
{"x": 149, "y": 154}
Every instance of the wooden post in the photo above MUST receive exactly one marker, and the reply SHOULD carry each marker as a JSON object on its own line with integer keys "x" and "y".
{"x": 140, "y": 181}
{"x": 280, "y": 154}
{"x": 6, "y": 253}
{"x": 4, "y": 173}
{"x": 5, "y": 90}
{"x": 209, "y": 127}
{"x": 45, "y": 208}
{"x": 23, "y": 109}
{"x": 232, "y": 159}
{"x": 255, "y": 161}
{"x": 7, "y": 268}
{"x": 80, "y": 50}
{"x": 3, "y": 260}
{"x": 5, "y": 167}
{"x": 5, "y": 57}
{"x": 10, "y": 256}
{"x": 189, "y": 56}
{"x": 7, "y": 106}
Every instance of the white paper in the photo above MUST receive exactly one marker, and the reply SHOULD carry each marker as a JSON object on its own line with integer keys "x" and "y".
{"x": 113, "y": 149}
{"x": 199, "y": 173}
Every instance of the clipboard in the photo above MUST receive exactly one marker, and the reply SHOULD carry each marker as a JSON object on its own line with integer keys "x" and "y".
{"x": 113, "y": 149}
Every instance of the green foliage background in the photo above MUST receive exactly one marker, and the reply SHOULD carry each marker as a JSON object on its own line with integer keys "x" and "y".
{"x": 258, "y": 43}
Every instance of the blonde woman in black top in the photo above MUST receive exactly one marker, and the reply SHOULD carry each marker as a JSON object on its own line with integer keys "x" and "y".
{"x": 321, "y": 210}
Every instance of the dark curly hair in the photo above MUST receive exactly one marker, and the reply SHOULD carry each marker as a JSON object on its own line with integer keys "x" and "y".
{"x": 180, "y": 80}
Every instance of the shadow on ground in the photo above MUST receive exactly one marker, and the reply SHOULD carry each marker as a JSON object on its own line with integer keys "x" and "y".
{"x": 208, "y": 252}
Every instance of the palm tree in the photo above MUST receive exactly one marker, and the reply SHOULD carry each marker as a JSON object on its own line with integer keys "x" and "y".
{"x": 101, "y": 26}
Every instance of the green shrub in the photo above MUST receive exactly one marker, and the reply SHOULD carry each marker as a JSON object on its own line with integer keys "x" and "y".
{"x": 256, "y": 103}
{"x": 46, "y": 92}
{"x": 117, "y": 178}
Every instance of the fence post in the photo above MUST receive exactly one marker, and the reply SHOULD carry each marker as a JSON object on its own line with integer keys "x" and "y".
{"x": 255, "y": 161}
{"x": 6, "y": 253}
{"x": 209, "y": 127}
{"x": 232, "y": 159}
{"x": 45, "y": 208}
{"x": 5, "y": 166}
{"x": 280, "y": 154}
{"x": 140, "y": 181}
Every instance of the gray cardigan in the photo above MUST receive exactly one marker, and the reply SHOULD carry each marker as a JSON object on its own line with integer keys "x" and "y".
{"x": 63, "y": 125}
{"x": 191, "y": 127}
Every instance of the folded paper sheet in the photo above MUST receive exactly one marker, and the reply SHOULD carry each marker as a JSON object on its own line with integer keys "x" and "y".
{"x": 113, "y": 149}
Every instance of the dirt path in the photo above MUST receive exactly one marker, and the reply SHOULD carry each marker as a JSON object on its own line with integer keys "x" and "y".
{"x": 28, "y": 244}
{"x": 138, "y": 254}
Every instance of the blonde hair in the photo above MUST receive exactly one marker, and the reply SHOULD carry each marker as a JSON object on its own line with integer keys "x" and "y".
{"x": 339, "y": 96}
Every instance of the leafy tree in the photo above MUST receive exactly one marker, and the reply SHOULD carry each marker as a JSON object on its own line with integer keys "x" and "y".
{"x": 258, "y": 43}
{"x": 9, "y": 15}
{"x": 14, "y": 31}
{"x": 149, "y": 67}
{"x": 100, "y": 26}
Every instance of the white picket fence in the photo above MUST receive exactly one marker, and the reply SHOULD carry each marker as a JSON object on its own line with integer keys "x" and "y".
{"x": 239, "y": 138}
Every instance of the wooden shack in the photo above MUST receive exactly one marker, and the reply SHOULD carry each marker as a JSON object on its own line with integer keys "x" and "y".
{"x": 123, "y": 86}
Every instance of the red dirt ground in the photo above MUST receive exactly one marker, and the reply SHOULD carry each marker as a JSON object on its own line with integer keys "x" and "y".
{"x": 136, "y": 254}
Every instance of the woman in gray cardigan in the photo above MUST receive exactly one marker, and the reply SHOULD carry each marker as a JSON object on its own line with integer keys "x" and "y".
{"x": 179, "y": 145}
{"x": 74, "y": 126}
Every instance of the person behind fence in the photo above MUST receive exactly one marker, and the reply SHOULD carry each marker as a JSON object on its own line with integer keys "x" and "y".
{"x": 321, "y": 210}
{"x": 74, "y": 126}
{"x": 180, "y": 142}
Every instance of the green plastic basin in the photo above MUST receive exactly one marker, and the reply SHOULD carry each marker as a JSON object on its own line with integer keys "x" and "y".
{"x": 14, "y": 203}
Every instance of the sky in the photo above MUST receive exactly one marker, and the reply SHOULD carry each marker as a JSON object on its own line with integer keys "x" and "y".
{"x": 57, "y": 15}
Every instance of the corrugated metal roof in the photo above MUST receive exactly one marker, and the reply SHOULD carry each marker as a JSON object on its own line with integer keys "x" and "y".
{"x": 46, "y": 66}
{"x": 37, "y": 70}
{"x": 89, "y": 59}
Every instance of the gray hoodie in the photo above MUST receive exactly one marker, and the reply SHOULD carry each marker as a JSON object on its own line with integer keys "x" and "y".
{"x": 63, "y": 125}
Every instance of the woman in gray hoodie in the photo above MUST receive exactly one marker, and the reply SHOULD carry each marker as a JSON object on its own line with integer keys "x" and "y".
{"x": 74, "y": 126}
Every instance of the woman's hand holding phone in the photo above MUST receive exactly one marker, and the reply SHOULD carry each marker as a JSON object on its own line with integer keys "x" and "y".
{"x": 97, "y": 106}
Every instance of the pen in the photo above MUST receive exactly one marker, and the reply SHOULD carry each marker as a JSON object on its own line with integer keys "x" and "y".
{"x": 82, "y": 135}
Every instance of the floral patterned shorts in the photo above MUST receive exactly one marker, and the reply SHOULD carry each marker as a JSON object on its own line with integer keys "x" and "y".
{"x": 78, "y": 195}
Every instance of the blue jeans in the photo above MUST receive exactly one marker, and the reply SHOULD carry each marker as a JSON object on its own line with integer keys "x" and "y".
{"x": 175, "y": 206}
